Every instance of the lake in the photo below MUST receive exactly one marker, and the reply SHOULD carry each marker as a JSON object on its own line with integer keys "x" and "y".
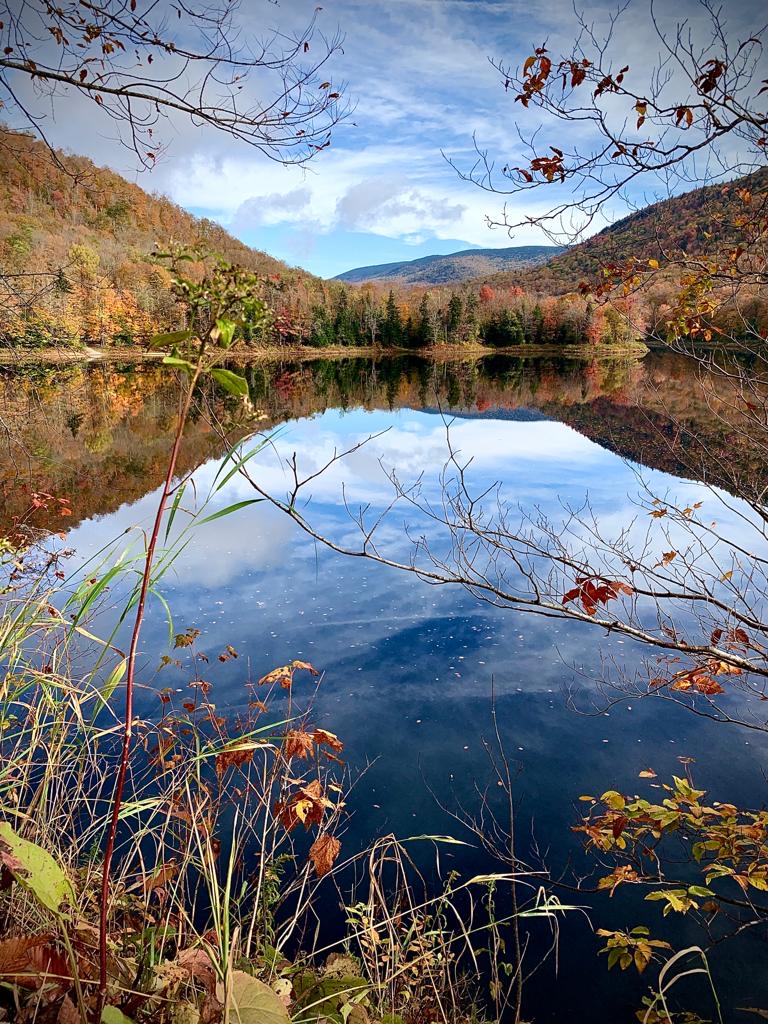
{"x": 411, "y": 673}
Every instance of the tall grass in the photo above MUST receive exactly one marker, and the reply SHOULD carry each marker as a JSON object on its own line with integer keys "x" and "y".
{"x": 226, "y": 835}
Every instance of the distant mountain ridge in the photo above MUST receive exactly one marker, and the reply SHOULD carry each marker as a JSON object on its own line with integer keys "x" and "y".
{"x": 457, "y": 266}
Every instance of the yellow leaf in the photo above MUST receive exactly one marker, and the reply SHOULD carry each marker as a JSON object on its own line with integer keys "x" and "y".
{"x": 302, "y": 809}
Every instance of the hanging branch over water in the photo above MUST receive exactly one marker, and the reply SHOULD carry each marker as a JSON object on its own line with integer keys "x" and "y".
{"x": 671, "y": 579}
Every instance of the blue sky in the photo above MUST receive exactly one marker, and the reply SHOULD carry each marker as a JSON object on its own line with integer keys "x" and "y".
{"x": 419, "y": 76}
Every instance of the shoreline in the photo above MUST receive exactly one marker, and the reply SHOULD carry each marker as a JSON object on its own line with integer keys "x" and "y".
{"x": 303, "y": 353}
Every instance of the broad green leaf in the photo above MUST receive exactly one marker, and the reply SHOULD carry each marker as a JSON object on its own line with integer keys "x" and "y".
{"x": 231, "y": 382}
{"x": 699, "y": 890}
{"x": 165, "y": 340}
{"x": 181, "y": 364}
{"x": 252, "y": 1002}
{"x": 614, "y": 800}
{"x": 35, "y": 869}
{"x": 224, "y": 332}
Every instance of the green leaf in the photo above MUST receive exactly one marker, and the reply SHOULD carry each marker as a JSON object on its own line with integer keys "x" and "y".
{"x": 239, "y": 461}
{"x": 231, "y": 382}
{"x": 224, "y": 332}
{"x": 229, "y": 509}
{"x": 174, "y": 508}
{"x": 699, "y": 890}
{"x": 252, "y": 1002}
{"x": 35, "y": 869}
{"x": 174, "y": 338}
{"x": 613, "y": 799}
{"x": 110, "y": 685}
{"x": 181, "y": 364}
{"x": 95, "y": 590}
{"x": 111, "y": 1015}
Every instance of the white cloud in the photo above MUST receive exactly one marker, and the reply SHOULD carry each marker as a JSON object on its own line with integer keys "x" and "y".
{"x": 419, "y": 75}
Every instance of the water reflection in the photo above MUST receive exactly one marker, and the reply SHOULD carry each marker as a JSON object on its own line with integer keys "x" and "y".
{"x": 101, "y": 434}
{"x": 409, "y": 670}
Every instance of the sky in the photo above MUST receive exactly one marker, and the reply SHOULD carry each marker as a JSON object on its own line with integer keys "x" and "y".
{"x": 419, "y": 78}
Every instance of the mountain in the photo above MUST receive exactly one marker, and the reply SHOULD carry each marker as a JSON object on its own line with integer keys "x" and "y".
{"x": 75, "y": 241}
{"x": 697, "y": 222}
{"x": 458, "y": 266}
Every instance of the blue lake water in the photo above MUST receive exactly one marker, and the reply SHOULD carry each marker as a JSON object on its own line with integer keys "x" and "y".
{"x": 411, "y": 673}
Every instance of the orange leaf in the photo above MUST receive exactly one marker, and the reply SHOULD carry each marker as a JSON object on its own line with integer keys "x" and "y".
{"x": 323, "y": 853}
{"x": 328, "y": 739}
{"x": 298, "y": 743}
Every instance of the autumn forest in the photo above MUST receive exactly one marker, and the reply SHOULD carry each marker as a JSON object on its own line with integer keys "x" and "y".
{"x": 383, "y": 553}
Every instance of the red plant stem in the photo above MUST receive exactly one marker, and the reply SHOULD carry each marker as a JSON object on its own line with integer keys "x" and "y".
{"x": 117, "y": 797}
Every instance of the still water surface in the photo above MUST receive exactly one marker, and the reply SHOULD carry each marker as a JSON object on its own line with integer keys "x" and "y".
{"x": 410, "y": 670}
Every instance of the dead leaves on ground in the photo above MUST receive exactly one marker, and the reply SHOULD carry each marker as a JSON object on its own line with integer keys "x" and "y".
{"x": 32, "y": 961}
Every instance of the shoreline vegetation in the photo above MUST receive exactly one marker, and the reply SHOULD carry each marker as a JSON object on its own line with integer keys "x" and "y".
{"x": 63, "y": 355}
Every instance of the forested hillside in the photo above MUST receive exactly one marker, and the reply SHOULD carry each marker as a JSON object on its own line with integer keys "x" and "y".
{"x": 76, "y": 268}
{"x": 75, "y": 245}
{"x": 698, "y": 222}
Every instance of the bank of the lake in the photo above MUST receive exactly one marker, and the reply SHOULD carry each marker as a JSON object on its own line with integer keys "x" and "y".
{"x": 61, "y": 355}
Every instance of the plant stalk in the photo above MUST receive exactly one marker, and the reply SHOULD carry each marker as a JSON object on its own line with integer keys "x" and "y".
{"x": 117, "y": 797}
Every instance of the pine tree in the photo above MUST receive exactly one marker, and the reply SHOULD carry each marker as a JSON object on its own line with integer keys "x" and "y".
{"x": 455, "y": 310}
{"x": 425, "y": 334}
{"x": 392, "y": 326}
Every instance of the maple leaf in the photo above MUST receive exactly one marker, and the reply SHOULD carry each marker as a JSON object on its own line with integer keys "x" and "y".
{"x": 323, "y": 853}
{"x": 232, "y": 756}
{"x": 593, "y": 591}
{"x": 282, "y": 675}
{"x": 328, "y": 739}
{"x": 298, "y": 743}
{"x": 307, "y": 805}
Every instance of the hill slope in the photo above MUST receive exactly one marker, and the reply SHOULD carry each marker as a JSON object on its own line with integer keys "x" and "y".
{"x": 705, "y": 219}
{"x": 74, "y": 246}
{"x": 458, "y": 266}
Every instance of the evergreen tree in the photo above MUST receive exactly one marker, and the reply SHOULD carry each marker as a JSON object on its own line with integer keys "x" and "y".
{"x": 453, "y": 324}
{"x": 321, "y": 332}
{"x": 392, "y": 325}
{"x": 344, "y": 321}
{"x": 469, "y": 332}
{"x": 425, "y": 334}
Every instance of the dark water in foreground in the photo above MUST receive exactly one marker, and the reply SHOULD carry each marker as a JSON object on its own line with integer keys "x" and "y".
{"x": 409, "y": 670}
